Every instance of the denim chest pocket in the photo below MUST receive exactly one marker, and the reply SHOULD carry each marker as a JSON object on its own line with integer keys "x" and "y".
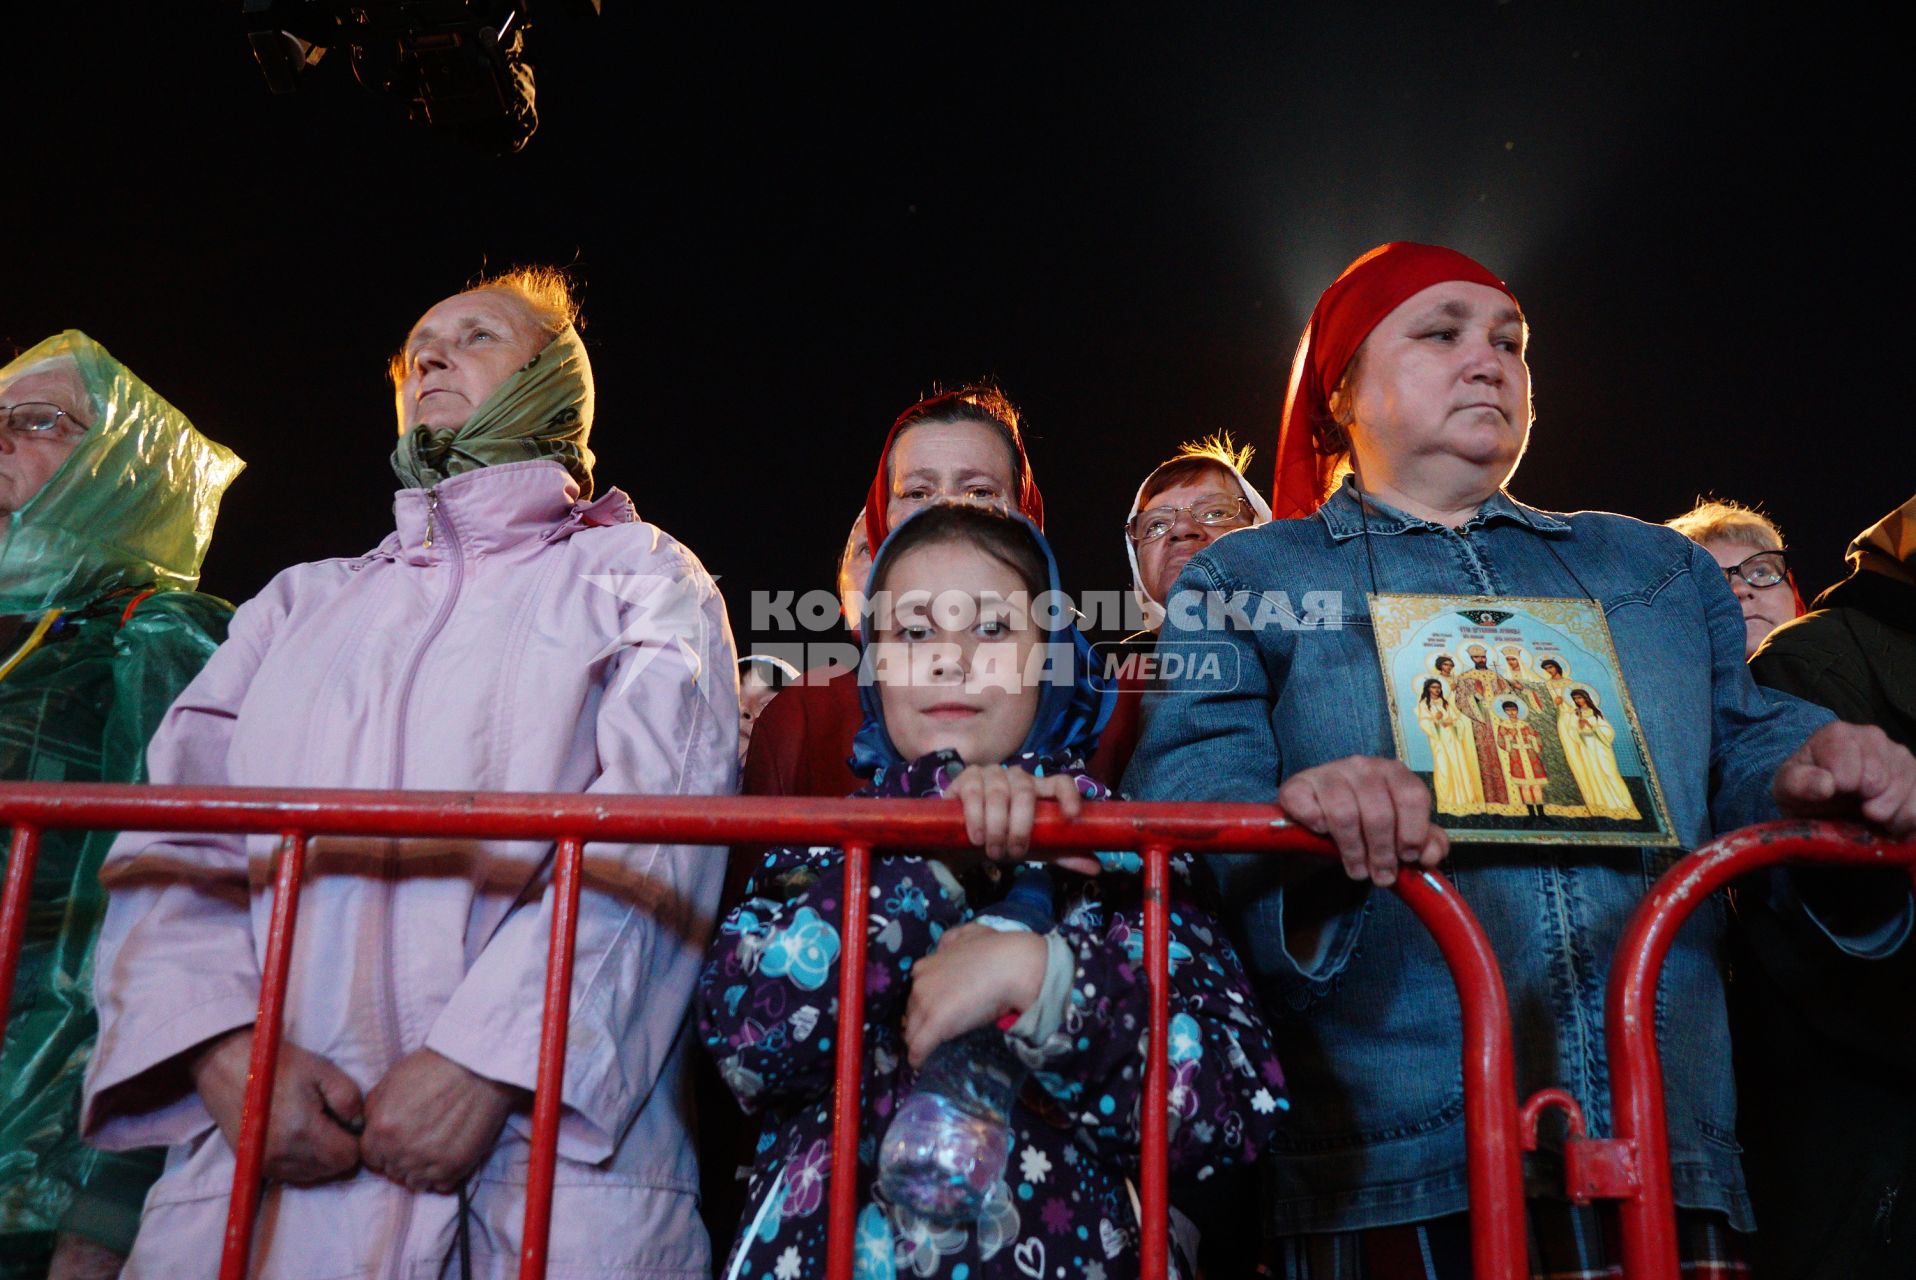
{"x": 1330, "y": 612}
{"x": 1644, "y": 592}
{"x": 1317, "y": 610}
{"x": 1332, "y": 703}
{"x": 1664, "y": 653}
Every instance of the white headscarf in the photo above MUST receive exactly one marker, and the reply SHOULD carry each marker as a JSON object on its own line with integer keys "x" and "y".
{"x": 1260, "y": 514}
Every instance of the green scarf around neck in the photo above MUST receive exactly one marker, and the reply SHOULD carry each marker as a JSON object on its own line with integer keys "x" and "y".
{"x": 544, "y": 410}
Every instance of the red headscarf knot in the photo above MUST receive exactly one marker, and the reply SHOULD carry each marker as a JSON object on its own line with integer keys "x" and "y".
{"x": 1369, "y": 289}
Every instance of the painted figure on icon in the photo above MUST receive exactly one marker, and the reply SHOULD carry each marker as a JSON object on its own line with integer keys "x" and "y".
{"x": 1520, "y": 752}
{"x": 1589, "y": 743}
{"x": 1455, "y": 780}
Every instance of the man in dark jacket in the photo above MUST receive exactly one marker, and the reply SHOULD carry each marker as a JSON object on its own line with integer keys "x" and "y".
{"x": 1856, "y": 654}
{"x": 1829, "y": 1042}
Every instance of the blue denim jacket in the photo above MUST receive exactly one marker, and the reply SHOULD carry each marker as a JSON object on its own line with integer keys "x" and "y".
{"x": 1365, "y": 1010}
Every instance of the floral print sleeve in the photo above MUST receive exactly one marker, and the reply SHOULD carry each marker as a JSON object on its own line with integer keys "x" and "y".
{"x": 768, "y": 996}
{"x": 1227, "y": 1089}
{"x": 1064, "y": 1205}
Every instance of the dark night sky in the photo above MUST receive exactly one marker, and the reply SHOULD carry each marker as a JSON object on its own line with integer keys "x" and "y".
{"x": 790, "y": 224}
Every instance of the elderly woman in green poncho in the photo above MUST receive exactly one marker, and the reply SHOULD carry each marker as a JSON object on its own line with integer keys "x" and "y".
{"x": 108, "y": 497}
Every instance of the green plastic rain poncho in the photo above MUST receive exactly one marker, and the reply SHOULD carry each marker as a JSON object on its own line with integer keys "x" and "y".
{"x": 92, "y": 661}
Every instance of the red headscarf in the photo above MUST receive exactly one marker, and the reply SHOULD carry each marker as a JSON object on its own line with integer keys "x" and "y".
{"x": 1030, "y": 503}
{"x": 1370, "y": 289}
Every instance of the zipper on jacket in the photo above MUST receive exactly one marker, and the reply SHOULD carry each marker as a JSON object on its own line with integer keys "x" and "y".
{"x": 455, "y": 562}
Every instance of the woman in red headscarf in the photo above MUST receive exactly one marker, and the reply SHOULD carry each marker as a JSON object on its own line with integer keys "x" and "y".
{"x": 1409, "y": 409}
{"x": 957, "y": 445}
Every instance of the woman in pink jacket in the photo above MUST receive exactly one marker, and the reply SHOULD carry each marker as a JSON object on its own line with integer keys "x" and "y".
{"x": 511, "y": 634}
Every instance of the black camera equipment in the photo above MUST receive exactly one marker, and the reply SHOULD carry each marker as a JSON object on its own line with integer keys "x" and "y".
{"x": 459, "y": 65}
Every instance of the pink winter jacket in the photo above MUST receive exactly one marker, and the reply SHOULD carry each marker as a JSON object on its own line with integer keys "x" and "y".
{"x": 503, "y": 638}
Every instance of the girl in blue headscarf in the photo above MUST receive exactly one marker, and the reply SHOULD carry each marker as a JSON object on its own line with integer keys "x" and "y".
{"x": 974, "y": 689}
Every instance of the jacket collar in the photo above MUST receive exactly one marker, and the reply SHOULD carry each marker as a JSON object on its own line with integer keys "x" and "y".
{"x": 494, "y": 509}
{"x": 1343, "y": 516}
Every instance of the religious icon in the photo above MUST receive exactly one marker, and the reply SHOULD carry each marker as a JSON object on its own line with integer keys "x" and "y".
{"x": 1515, "y": 713}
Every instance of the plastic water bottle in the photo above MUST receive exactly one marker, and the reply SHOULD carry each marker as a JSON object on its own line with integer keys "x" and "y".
{"x": 947, "y": 1145}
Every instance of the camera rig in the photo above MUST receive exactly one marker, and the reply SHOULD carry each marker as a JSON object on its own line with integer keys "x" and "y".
{"x": 460, "y": 66}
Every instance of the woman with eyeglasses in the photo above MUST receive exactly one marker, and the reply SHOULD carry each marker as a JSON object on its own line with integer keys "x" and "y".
{"x": 1749, "y": 548}
{"x": 1189, "y": 501}
{"x": 39, "y": 436}
{"x": 107, "y": 501}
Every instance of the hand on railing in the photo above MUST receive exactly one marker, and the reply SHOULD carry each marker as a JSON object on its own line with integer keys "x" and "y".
{"x": 316, "y": 1107}
{"x": 1850, "y": 771}
{"x": 1002, "y": 803}
{"x": 429, "y": 1121}
{"x": 1375, "y": 810}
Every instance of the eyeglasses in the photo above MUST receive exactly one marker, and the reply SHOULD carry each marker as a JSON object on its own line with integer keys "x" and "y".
{"x": 1154, "y": 522}
{"x": 35, "y": 418}
{"x": 1764, "y": 569}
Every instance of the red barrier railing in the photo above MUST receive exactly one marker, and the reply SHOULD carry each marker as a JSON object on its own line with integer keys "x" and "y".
{"x": 1634, "y": 1166}
{"x": 1495, "y": 1175}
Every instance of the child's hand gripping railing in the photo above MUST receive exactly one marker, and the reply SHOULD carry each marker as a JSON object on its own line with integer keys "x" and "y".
{"x": 859, "y": 826}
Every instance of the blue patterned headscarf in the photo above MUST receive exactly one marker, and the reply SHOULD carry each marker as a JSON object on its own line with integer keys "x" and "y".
{"x": 1070, "y": 714}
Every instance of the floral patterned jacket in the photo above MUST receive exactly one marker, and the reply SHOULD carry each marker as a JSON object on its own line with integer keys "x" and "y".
{"x": 768, "y": 1015}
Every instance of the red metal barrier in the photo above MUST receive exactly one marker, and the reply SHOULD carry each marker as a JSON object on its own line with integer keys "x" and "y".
{"x": 21, "y": 860}
{"x": 543, "y": 1163}
{"x": 1496, "y": 1190}
{"x": 1154, "y": 1121}
{"x": 1634, "y": 1166}
{"x": 288, "y": 873}
{"x": 849, "y": 1060}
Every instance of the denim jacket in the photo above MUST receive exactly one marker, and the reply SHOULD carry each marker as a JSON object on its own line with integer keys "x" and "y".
{"x": 1365, "y": 1011}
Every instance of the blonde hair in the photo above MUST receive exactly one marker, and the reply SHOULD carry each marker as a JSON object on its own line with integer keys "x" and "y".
{"x": 1194, "y": 458}
{"x": 547, "y": 291}
{"x": 1217, "y": 447}
{"x": 1719, "y": 520}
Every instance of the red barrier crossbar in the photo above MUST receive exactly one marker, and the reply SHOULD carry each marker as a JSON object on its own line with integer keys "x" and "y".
{"x": 1495, "y": 1177}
